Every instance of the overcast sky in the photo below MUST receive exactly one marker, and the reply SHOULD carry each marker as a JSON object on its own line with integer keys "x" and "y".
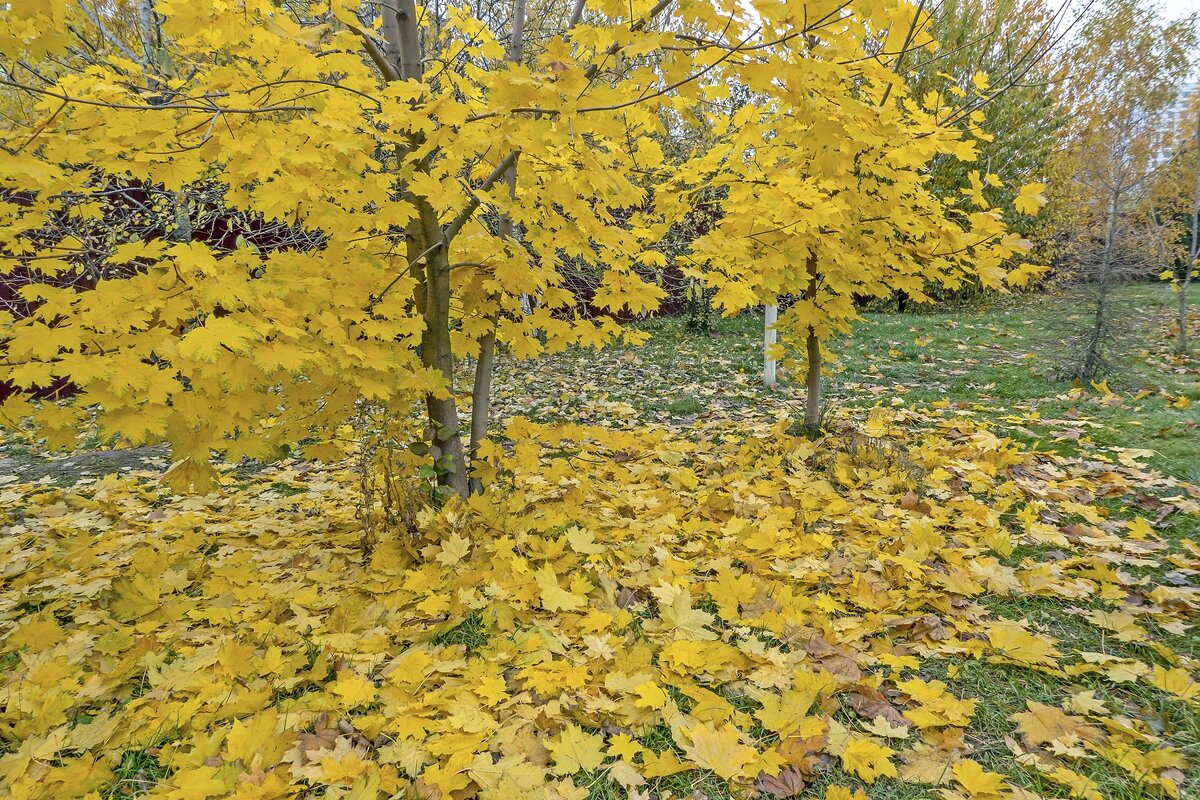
{"x": 1174, "y": 9}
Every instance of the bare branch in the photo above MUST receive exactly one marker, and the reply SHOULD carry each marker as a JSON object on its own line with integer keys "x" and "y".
{"x": 106, "y": 33}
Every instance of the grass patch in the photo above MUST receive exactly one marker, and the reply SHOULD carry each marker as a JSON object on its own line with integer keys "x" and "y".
{"x": 135, "y": 775}
{"x": 685, "y": 405}
{"x": 995, "y": 357}
{"x": 469, "y": 633}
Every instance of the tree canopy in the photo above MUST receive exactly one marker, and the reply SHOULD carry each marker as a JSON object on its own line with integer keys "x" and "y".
{"x": 382, "y": 136}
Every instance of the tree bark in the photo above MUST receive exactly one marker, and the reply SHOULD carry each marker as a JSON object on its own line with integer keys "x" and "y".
{"x": 428, "y": 260}
{"x": 148, "y": 32}
{"x": 481, "y": 391}
{"x": 812, "y": 383}
{"x": 1092, "y": 355}
{"x": 812, "y": 380}
{"x": 407, "y": 45}
{"x": 481, "y": 399}
{"x": 436, "y": 354}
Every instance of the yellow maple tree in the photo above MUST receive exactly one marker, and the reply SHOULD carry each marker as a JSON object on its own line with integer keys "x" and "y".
{"x": 381, "y": 151}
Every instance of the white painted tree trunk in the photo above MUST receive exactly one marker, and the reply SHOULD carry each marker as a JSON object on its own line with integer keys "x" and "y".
{"x": 770, "y": 336}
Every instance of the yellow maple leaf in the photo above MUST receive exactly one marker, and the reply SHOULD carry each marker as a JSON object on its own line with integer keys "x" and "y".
{"x": 255, "y": 736}
{"x": 455, "y": 548}
{"x": 1177, "y": 681}
{"x": 689, "y": 622}
{"x": 1026, "y": 273}
{"x": 624, "y": 747}
{"x": 491, "y": 688}
{"x": 718, "y": 749}
{"x": 451, "y": 776}
{"x": 1085, "y": 702}
{"x": 978, "y": 782}
{"x": 649, "y": 696}
{"x": 836, "y": 792}
{"x": 1018, "y": 645}
{"x": 191, "y": 475}
{"x": 354, "y": 689}
{"x": 217, "y": 335}
{"x": 868, "y": 759}
{"x": 574, "y": 749}
{"x": 135, "y": 597}
{"x": 1029, "y": 199}
{"x": 881, "y": 727}
{"x": 925, "y": 764}
{"x": 195, "y": 783}
{"x": 554, "y": 597}
{"x": 1042, "y": 724}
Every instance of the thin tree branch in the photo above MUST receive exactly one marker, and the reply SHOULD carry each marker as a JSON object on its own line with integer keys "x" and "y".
{"x": 451, "y": 230}
{"x": 106, "y": 33}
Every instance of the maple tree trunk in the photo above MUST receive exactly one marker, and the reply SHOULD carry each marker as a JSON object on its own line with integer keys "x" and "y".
{"x": 481, "y": 392}
{"x": 401, "y": 22}
{"x": 183, "y": 221}
{"x": 147, "y": 32}
{"x": 436, "y": 354}
{"x": 812, "y": 400}
{"x": 1183, "y": 290}
{"x": 481, "y": 399}
{"x": 812, "y": 380}
{"x": 427, "y": 242}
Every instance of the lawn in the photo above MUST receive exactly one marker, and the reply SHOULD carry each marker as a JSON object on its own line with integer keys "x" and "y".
{"x": 982, "y": 584}
{"x": 997, "y": 358}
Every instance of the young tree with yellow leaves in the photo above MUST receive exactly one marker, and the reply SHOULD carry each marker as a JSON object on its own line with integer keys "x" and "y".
{"x": 443, "y": 180}
{"x": 1128, "y": 66}
{"x": 1192, "y": 130}
{"x": 1176, "y": 197}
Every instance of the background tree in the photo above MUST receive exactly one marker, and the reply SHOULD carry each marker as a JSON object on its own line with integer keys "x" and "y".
{"x": 1127, "y": 67}
{"x": 1193, "y": 245}
{"x": 1014, "y": 49}
{"x": 852, "y": 211}
{"x": 1176, "y": 199}
{"x": 1008, "y": 49}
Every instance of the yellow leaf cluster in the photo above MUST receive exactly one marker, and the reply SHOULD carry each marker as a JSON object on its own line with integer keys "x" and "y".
{"x": 599, "y": 625}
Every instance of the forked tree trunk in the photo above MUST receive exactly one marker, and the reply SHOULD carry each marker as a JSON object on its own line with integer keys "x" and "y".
{"x": 436, "y": 353}
{"x": 428, "y": 262}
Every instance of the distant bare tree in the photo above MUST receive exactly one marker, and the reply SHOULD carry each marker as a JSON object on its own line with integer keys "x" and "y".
{"x": 1129, "y": 65}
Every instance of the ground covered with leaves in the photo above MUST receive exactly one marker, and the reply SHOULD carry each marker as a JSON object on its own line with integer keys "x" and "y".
{"x": 664, "y": 598}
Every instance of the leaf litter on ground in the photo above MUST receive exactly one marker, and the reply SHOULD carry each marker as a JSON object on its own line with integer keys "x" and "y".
{"x": 697, "y": 604}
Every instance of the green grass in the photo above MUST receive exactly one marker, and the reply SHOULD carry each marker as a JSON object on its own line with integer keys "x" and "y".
{"x": 135, "y": 775}
{"x": 685, "y": 405}
{"x": 469, "y": 633}
{"x": 689, "y": 785}
{"x": 1000, "y": 358}
{"x": 1004, "y": 690}
{"x": 1005, "y": 357}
